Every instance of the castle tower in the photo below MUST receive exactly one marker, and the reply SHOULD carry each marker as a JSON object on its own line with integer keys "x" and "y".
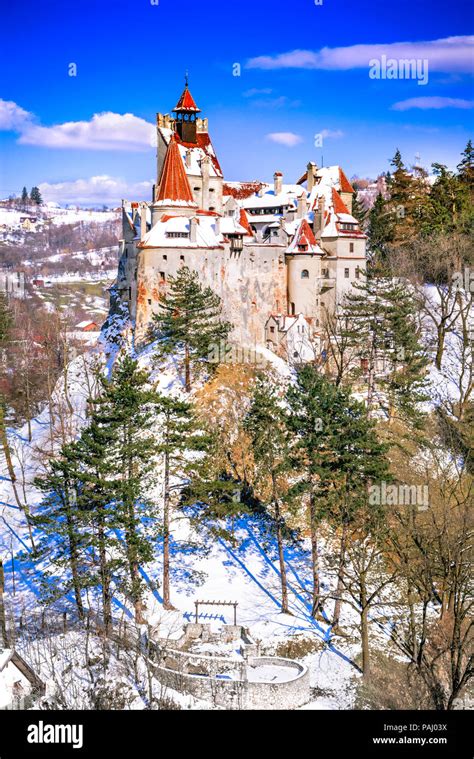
{"x": 186, "y": 112}
{"x": 174, "y": 191}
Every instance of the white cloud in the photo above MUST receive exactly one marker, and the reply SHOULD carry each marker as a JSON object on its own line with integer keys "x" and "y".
{"x": 451, "y": 54}
{"x": 96, "y": 190}
{"x": 290, "y": 139}
{"x": 329, "y": 134}
{"x": 12, "y": 116}
{"x": 255, "y": 91}
{"x": 104, "y": 131}
{"x": 426, "y": 103}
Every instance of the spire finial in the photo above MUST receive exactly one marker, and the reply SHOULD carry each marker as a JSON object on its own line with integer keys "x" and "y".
{"x": 186, "y": 78}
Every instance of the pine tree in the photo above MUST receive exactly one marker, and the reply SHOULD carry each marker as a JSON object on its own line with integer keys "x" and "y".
{"x": 335, "y": 453}
{"x": 379, "y": 230}
{"x": 381, "y": 314}
{"x": 408, "y": 201}
{"x": 126, "y": 408}
{"x": 189, "y": 323}
{"x": 466, "y": 166}
{"x": 445, "y": 202}
{"x": 62, "y": 525}
{"x": 24, "y": 197}
{"x": 358, "y": 210}
{"x": 267, "y": 427}
{"x": 181, "y": 441}
{"x": 35, "y": 196}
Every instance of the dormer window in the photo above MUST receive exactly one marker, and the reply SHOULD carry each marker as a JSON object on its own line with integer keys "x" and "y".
{"x": 183, "y": 235}
{"x": 305, "y": 274}
{"x": 347, "y": 227}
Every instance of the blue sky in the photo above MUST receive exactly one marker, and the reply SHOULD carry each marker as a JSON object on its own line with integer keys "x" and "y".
{"x": 304, "y": 71}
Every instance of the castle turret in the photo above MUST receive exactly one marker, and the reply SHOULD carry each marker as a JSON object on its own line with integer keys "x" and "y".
{"x": 186, "y": 112}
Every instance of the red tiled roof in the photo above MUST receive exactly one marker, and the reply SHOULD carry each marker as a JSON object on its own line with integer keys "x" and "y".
{"x": 339, "y": 206}
{"x": 186, "y": 102}
{"x": 244, "y": 189}
{"x": 203, "y": 141}
{"x": 345, "y": 184}
{"x": 244, "y": 221}
{"x": 305, "y": 235}
{"x": 174, "y": 183}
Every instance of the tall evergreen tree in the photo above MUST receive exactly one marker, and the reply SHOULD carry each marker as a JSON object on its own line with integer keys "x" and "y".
{"x": 383, "y": 329}
{"x": 126, "y": 408}
{"x": 181, "y": 441}
{"x": 35, "y": 196}
{"x": 62, "y": 525}
{"x": 466, "y": 165}
{"x": 266, "y": 425}
{"x": 358, "y": 210}
{"x": 24, "y": 197}
{"x": 335, "y": 454}
{"x": 380, "y": 232}
{"x": 189, "y": 322}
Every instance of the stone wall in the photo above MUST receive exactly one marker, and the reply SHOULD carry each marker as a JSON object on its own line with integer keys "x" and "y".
{"x": 250, "y": 283}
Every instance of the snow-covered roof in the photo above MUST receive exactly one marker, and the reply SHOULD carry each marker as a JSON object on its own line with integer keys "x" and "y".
{"x": 162, "y": 235}
{"x": 304, "y": 240}
{"x": 197, "y": 152}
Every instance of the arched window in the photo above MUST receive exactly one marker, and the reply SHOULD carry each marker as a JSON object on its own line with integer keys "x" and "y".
{"x": 305, "y": 274}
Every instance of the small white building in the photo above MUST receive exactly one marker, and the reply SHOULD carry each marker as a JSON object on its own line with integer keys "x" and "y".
{"x": 18, "y": 682}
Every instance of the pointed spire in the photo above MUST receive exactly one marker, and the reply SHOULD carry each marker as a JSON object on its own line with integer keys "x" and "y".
{"x": 186, "y": 103}
{"x": 174, "y": 184}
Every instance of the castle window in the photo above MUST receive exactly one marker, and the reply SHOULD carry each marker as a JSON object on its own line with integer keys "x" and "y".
{"x": 197, "y": 189}
{"x": 272, "y": 329}
{"x": 305, "y": 274}
{"x": 293, "y": 309}
{"x": 177, "y": 234}
{"x": 130, "y": 293}
{"x": 165, "y": 258}
{"x": 149, "y": 301}
{"x": 211, "y": 189}
{"x": 162, "y": 276}
{"x": 212, "y": 208}
{"x": 357, "y": 272}
{"x": 351, "y": 247}
{"x": 181, "y": 258}
{"x": 325, "y": 273}
{"x": 346, "y": 273}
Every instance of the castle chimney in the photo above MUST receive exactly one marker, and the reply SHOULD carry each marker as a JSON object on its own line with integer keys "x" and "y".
{"x": 217, "y": 225}
{"x": 143, "y": 227}
{"x": 302, "y": 206}
{"x": 277, "y": 182}
{"x": 193, "y": 222}
{"x": 318, "y": 223}
{"x": 311, "y": 175}
{"x": 205, "y": 170}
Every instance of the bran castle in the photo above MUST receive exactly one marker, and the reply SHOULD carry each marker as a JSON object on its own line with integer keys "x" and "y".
{"x": 278, "y": 255}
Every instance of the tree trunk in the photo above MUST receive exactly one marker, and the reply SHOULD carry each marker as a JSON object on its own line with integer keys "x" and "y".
{"x": 364, "y": 628}
{"x": 340, "y": 576}
{"x": 314, "y": 557}
{"x": 3, "y": 622}
{"x": 74, "y": 567}
{"x": 187, "y": 369}
{"x": 105, "y": 579}
{"x": 281, "y": 557}
{"x": 440, "y": 347}
{"x": 7, "y": 453}
{"x": 166, "y": 536}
